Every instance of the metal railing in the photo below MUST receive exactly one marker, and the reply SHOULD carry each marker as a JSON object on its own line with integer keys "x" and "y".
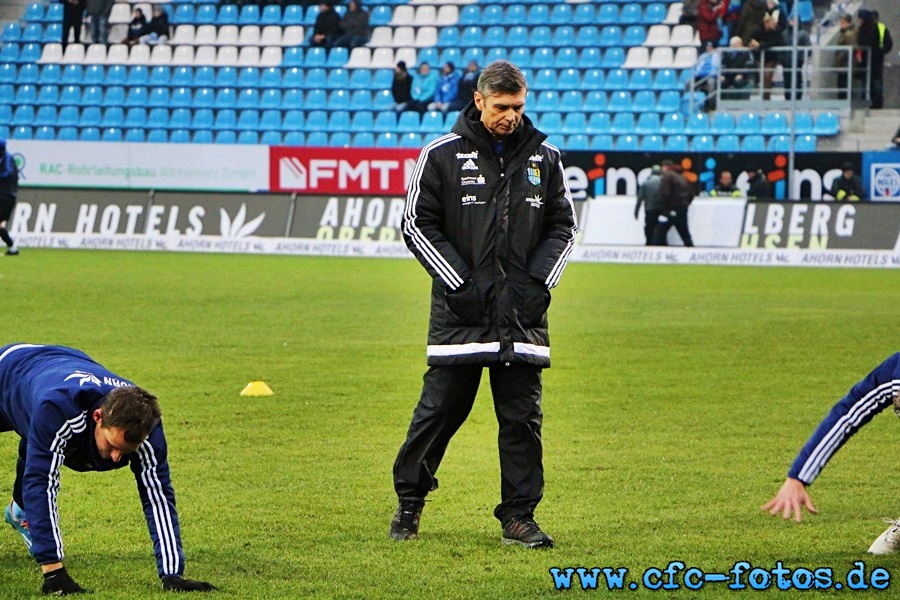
{"x": 832, "y": 78}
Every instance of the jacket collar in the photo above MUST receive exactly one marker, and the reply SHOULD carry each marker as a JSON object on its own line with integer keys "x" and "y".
{"x": 519, "y": 145}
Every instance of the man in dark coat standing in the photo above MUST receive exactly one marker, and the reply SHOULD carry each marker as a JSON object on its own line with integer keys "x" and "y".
{"x": 490, "y": 217}
{"x": 73, "y": 16}
{"x": 676, "y": 194}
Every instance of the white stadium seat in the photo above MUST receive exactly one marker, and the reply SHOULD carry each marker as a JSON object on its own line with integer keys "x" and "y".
{"x": 657, "y": 35}
{"x": 248, "y": 57}
{"x": 249, "y": 36}
{"x": 270, "y": 57}
{"x": 184, "y": 34}
{"x": 638, "y": 57}
{"x": 403, "y": 15}
{"x": 292, "y": 36}
{"x": 95, "y": 54}
{"x": 271, "y": 36}
{"x": 139, "y": 55}
{"x": 227, "y": 56}
{"x": 447, "y": 14}
{"x": 52, "y": 53}
{"x": 205, "y": 35}
{"x": 183, "y": 56}
{"x": 161, "y": 54}
{"x": 425, "y": 37}
{"x": 73, "y": 54}
{"x": 360, "y": 58}
{"x": 227, "y": 36}
{"x": 117, "y": 54}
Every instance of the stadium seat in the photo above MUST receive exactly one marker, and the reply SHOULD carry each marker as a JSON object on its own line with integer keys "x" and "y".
{"x": 620, "y": 101}
{"x": 610, "y": 35}
{"x": 826, "y": 124}
{"x": 158, "y": 136}
{"x": 613, "y": 58}
{"x": 48, "y": 74}
{"x": 271, "y": 15}
{"x": 652, "y": 143}
{"x": 722, "y": 123}
{"x": 45, "y": 117}
{"x": 647, "y": 123}
{"x": 655, "y": 12}
{"x": 672, "y": 124}
{"x": 603, "y": 141}
{"x": 583, "y": 14}
{"x": 747, "y": 124}
{"x": 203, "y": 136}
{"x": 203, "y": 118}
{"x": 571, "y": 101}
{"x": 617, "y": 79}
{"x": 697, "y": 123}
{"x": 805, "y": 143}
{"x": 68, "y": 116}
{"x": 627, "y": 143}
{"x": 574, "y": 122}
{"x": 67, "y": 134}
{"x": 753, "y": 143}
{"x": 622, "y": 123}
{"x": 703, "y": 143}
{"x": 607, "y": 13}
{"x": 180, "y": 118}
{"x": 676, "y": 143}
{"x": 728, "y": 143}
{"x": 135, "y": 135}
{"x": 775, "y": 123}
{"x": 23, "y": 132}
{"x": 779, "y": 143}
{"x": 112, "y": 134}
{"x": 90, "y": 116}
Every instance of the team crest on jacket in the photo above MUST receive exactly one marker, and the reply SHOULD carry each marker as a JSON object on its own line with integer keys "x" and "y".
{"x": 534, "y": 174}
{"x": 84, "y": 377}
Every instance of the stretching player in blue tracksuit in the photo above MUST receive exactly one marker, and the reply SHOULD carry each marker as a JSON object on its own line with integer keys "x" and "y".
{"x": 69, "y": 410}
{"x": 879, "y": 390}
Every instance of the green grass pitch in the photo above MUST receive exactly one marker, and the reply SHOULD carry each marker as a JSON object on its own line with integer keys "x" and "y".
{"x": 678, "y": 397}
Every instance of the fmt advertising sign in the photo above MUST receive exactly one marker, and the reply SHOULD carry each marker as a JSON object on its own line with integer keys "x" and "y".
{"x": 341, "y": 170}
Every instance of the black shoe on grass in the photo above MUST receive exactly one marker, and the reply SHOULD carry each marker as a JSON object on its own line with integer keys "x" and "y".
{"x": 525, "y": 532}
{"x": 405, "y": 524}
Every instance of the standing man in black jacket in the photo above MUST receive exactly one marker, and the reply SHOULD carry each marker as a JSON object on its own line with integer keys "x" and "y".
{"x": 490, "y": 217}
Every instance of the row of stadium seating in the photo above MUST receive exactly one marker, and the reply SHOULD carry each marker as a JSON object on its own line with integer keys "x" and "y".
{"x": 274, "y": 117}
{"x": 650, "y": 143}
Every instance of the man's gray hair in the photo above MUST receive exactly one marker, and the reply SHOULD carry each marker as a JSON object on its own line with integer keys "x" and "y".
{"x": 501, "y": 77}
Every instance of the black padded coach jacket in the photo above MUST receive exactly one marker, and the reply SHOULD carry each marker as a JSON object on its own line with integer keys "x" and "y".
{"x": 494, "y": 233}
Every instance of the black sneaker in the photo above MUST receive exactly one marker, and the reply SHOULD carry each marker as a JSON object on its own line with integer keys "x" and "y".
{"x": 405, "y": 524}
{"x": 525, "y": 532}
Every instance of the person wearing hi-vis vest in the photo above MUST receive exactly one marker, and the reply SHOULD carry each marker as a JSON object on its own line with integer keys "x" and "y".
{"x": 848, "y": 186}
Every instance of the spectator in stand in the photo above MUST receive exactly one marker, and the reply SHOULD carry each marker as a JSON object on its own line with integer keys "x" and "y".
{"x": 759, "y": 187}
{"x": 676, "y": 194}
{"x": 844, "y": 61}
{"x": 648, "y": 195}
{"x": 803, "y": 44}
{"x": 689, "y": 12}
{"x": 706, "y": 75}
{"x": 327, "y": 28}
{"x": 765, "y": 40}
{"x": 447, "y": 89}
{"x": 773, "y": 9}
{"x": 9, "y": 192}
{"x": 737, "y": 71}
{"x": 73, "y": 16}
{"x": 138, "y": 22}
{"x": 895, "y": 141}
{"x": 709, "y": 13}
{"x": 355, "y": 26}
{"x": 876, "y": 39}
{"x": 467, "y": 85}
{"x": 750, "y": 22}
{"x": 424, "y": 85}
{"x": 725, "y": 186}
{"x": 401, "y": 87}
{"x": 158, "y": 30}
{"x": 848, "y": 186}
{"x": 98, "y": 11}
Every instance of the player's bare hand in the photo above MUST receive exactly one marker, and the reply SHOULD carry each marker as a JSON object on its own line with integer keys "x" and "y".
{"x": 790, "y": 500}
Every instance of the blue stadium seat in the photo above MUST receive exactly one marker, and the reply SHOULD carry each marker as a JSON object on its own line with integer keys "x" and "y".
{"x": 48, "y": 74}
{"x": 34, "y": 13}
{"x": 45, "y": 116}
{"x": 180, "y": 118}
{"x": 360, "y": 79}
{"x": 602, "y": 141}
{"x": 747, "y": 123}
{"x": 317, "y": 139}
{"x": 316, "y": 56}
{"x": 136, "y": 117}
{"x": 546, "y": 79}
{"x": 654, "y": 13}
{"x": 52, "y": 33}
{"x": 293, "y": 15}
{"x": 270, "y": 138}
{"x": 569, "y": 79}
{"x": 641, "y": 79}
{"x": 631, "y": 13}
{"x": 68, "y": 116}
{"x": 652, "y": 143}
{"x": 803, "y": 123}
{"x": 540, "y": 36}
{"x": 387, "y": 139}
{"x": 54, "y": 13}
{"x": 676, "y": 143}
{"x": 697, "y": 123}
{"x": 411, "y": 140}
{"x": 292, "y": 98}
{"x": 89, "y": 134}
{"x": 158, "y": 97}
{"x": 294, "y": 138}
{"x": 204, "y": 97}
{"x": 564, "y": 35}
{"x": 538, "y": 14}
{"x": 248, "y": 77}
{"x": 159, "y": 76}
{"x": 184, "y": 15}
{"x": 492, "y": 54}
{"x": 448, "y": 37}
{"x": 338, "y": 57}
{"x": 339, "y": 120}
{"x": 26, "y": 94}
{"x": 378, "y": 15}
{"x": 593, "y": 79}
{"x": 248, "y": 119}
{"x": 408, "y": 121}
{"x": 270, "y": 119}
{"x": 317, "y": 120}
{"x": 620, "y": 101}
{"x": 647, "y": 123}
{"x": 583, "y": 15}
{"x": 728, "y": 143}
{"x": 385, "y": 121}
{"x": 722, "y": 123}
{"x": 617, "y": 79}
{"x": 71, "y": 74}
{"x": 360, "y": 100}
{"x": 550, "y": 122}
{"x": 316, "y": 78}
{"x": 826, "y": 124}
{"x": 23, "y": 132}
{"x": 542, "y": 58}
{"x": 158, "y": 136}
{"x": 293, "y": 78}
{"x": 610, "y": 35}
{"x": 634, "y": 36}
{"x": 48, "y": 94}
{"x": 30, "y": 52}
{"x": 594, "y": 101}
{"x": 574, "y": 122}
{"x": 338, "y": 79}
{"x": 561, "y": 14}
{"x": 775, "y": 123}
{"x": 644, "y": 101}
{"x": 779, "y": 143}
{"x": 672, "y": 123}
{"x": 271, "y": 15}
{"x": 470, "y": 14}
{"x": 226, "y": 98}
{"x": 622, "y": 123}
{"x": 292, "y": 57}
{"x": 753, "y": 143}
{"x": 703, "y": 143}
{"x": 805, "y": 143}
{"x": 33, "y": 32}
{"x": 432, "y": 122}
{"x": 362, "y": 120}
{"x": 294, "y": 119}
{"x": 316, "y": 99}
{"x": 382, "y": 100}
{"x": 90, "y": 116}
{"x": 158, "y": 118}
{"x": 666, "y": 79}
{"x": 12, "y": 32}
{"x": 571, "y": 101}
{"x": 590, "y": 58}
{"x": 113, "y": 116}
{"x": 627, "y": 143}
{"x": 112, "y": 134}
{"x": 492, "y": 14}
{"x": 270, "y": 98}
{"x": 203, "y": 136}
{"x": 115, "y": 75}
{"x": 137, "y": 75}
{"x": 206, "y": 13}
{"x": 607, "y": 13}
{"x": 613, "y": 58}
{"x": 203, "y": 118}
{"x": 248, "y": 138}
{"x": 249, "y": 15}
{"x": 67, "y": 134}
{"x": 225, "y": 136}
{"x": 228, "y": 15}
{"x": 30, "y": 73}
{"x": 181, "y": 97}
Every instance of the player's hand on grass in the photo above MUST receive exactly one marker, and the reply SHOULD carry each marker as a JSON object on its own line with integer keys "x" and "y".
{"x": 790, "y": 500}
{"x": 177, "y": 583}
{"x": 59, "y": 583}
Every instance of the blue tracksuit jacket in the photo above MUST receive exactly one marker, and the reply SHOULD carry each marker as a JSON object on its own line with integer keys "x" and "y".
{"x": 48, "y": 395}
{"x": 865, "y": 400}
